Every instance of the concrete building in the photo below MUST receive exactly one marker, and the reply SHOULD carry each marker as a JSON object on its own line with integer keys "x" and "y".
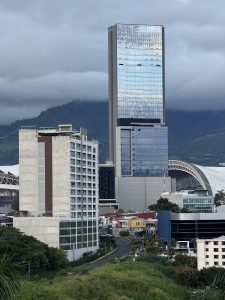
{"x": 194, "y": 201}
{"x": 138, "y": 137}
{"x": 211, "y": 252}
{"x": 9, "y": 187}
{"x": 59, "y": 188}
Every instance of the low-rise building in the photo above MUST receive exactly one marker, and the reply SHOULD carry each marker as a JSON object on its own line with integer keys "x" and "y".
{"x": 211, "y": 252}
{"x": 193, "y": 201}
{"x": 189, "y": 226}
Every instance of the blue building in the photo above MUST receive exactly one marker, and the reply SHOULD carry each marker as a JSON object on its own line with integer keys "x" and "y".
{"x": 189, "y": 226}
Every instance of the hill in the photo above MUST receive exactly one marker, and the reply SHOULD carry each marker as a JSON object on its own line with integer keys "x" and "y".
{"x": 193, "y": 136}
{"x": 118, "y": 281}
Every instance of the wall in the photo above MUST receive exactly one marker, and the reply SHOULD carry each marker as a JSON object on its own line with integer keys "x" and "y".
{"x": 137, "y": 193}
{"x": 45, "y": 229}
{"x": 28, "y": 157}
{"x": 61, "y": 175}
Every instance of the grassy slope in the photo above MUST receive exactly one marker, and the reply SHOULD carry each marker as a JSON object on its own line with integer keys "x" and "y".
{"x": 128, "y": 280}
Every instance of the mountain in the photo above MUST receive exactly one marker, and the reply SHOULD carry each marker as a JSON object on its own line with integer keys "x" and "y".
{"x": 197, "y": 137}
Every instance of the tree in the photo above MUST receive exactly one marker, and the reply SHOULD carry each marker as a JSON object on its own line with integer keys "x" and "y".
{"x": 219, "y": 198}
{"x": 164, "y": 204}
{"x": 31, "y": 254}
{"x": 120, "y": 211}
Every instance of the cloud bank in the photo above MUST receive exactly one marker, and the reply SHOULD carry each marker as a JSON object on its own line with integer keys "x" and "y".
{"x": 54, "y": 51}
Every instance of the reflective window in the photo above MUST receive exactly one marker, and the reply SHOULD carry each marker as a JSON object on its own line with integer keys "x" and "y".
{"x": 140, "y": 71}
{"x": 144, "y": 151}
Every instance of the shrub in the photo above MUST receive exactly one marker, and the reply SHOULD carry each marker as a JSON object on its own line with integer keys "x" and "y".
{"x": 124, "y": 232}
{"x": 186, "y": 260}
{"x": 32, "y": 255}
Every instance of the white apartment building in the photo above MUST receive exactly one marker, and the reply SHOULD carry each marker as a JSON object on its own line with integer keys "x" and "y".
{"x": 59, "y": 188}
{"x": 211, "y": 252}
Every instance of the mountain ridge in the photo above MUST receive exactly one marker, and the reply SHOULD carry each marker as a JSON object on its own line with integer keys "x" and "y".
{"x": 195, "y": 137}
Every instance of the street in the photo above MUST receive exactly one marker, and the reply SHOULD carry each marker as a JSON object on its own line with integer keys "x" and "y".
{"x": 122, "y": 250}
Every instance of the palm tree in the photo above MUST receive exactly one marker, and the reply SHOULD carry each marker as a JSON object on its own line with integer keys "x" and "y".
{"x": 216, "y": 291}
{"x": 9, "y": 278}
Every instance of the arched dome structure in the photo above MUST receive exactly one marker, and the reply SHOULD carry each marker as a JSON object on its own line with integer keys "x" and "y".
{"x": 210, "y": 178}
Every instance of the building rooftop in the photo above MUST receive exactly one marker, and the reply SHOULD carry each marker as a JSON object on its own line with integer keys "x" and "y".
{"x": 10, "y": 169}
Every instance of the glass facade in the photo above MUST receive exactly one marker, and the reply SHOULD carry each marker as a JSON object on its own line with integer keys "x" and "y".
{"x": 198, "y": 204}
{"x": 136, "y": 106}
{"x": 140, "y": 71}
{"x": 78, "y": 234}
{"x": 144, "y": 151}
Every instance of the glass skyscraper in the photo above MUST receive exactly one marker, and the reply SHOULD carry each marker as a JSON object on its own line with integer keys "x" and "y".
{"x": 137, "y": 132}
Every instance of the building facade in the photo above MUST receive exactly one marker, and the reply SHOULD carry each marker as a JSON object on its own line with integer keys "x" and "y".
{"x": 193, "y": 201}
{"x": 107, "y": 193}
{"x": 9, "y": 188}
{"x": 211, "y": 252}
{"x": 138, "y": 137}
{"x": 59, "y": 185}
{"x": 189, "y": 226}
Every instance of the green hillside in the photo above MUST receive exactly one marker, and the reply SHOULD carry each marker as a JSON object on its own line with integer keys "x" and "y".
{"x": 196, "y": 137}
{"x": 129, "y": 280}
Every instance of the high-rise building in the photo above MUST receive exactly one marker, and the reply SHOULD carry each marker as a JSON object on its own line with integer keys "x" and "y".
{"x": 138, "y": 137}
{"x": 59, "y": 188}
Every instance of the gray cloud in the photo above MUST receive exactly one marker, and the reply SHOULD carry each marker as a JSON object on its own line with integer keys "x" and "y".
{"x": 53, "y": 51}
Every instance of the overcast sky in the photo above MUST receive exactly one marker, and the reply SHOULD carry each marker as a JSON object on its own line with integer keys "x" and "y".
{"x": 54, "y": 51}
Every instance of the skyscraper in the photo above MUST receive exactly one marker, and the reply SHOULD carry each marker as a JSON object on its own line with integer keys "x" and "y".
{"x": 138, "y": 137}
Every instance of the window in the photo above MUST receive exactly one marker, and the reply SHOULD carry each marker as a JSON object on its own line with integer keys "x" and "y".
{"x": 207, "y": 263}
{"x": 215, "y": 243}
{"x": 206, "y": 249}
{"x": 206, "y": 243}
{"x": 207, "y": 256}
{"x": 216, "y": 256}
{"x": 216, "y": 263}
{"x": 223, "y": 256}
{"x": 216, "y": 249}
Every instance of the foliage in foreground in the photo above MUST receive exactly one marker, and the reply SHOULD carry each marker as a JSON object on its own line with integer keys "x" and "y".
{"x": 120, "y": 281}
{"x": 31, "y": 254}
{"x": 9, "y": 279}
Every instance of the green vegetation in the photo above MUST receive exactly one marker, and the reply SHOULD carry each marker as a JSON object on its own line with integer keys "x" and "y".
{"x": 164, "y": 204}
{"x": 219, "y": 198}
{"x": 118, "y": 281}
{"x": 9, "y": 278}
{"x": 196, "y": 137}
{"x": 124, "y": 232}
{"x": 27, "y": 252}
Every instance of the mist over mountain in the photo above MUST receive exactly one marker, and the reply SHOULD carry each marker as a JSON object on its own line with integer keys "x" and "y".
{"x": 196, "y": 137}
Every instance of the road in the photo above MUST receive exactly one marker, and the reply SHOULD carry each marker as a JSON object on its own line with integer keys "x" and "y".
{"x": 122, "y": 250}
